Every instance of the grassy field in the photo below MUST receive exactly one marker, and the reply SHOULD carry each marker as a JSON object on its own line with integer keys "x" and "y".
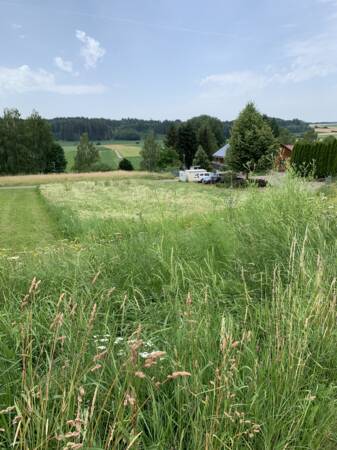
{"x": 325, "y": 130}
{"x": 106, "y": 155}
{"x": 35, "y": 180}
{"x": 131, "y": 151}
{"x": 24, "y": 222}
{"x": 161, "y": 315}
{"x": 111, "y": 152}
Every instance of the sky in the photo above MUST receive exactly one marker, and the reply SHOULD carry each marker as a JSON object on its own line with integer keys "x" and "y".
{"x": 169, "y": 59}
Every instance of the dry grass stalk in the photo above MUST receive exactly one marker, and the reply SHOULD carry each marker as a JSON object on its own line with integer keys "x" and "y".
{"x": 175, "y": 375}
{"x": 7, "y": 410}
{"x": 140, "y": 374}
{"x": 92, "y": 316}
{"x": 96, "y": 277}
{"x": 96, "y": 367}
{"x": 57, "y": 322}
{"x": 100, "y": 356}
{"x": 152, "y": 359}
{"x": 129, "y": 400}
{"x": 31, "y": 292}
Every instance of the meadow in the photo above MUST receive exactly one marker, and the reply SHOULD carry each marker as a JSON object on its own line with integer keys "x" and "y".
{"x": 149, "y": 314}
{"x": 111, "y": 152}
{"x": 325, "y": 129}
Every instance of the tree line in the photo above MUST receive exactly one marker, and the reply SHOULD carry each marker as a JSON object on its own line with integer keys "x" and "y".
{"x": 71, "y": 128}
{"x": 28, "y": 145}
{"x": 254, "y": 140}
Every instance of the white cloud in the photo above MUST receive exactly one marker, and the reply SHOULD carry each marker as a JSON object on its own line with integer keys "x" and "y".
{"x": 91, "y": 49}
{"x": 313, "y": 58}
{"x": 24, "y": 79}
{"x": 16, "y": 26}
{"x": 66, "y": 66}
{"x": 245, "y": 78}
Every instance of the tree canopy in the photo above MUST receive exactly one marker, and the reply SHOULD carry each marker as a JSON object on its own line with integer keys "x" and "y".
{"x": 150, "y": 154}
{"x": 201, "y": 159}
{"x": 252, "y": 142}
{"x": 87, "y": 154}
{"x": 125, "y": 164}
{"x": 27, "y": 146}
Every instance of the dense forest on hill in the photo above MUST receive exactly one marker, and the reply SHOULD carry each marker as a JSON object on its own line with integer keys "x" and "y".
{"x": 71, "y": 128}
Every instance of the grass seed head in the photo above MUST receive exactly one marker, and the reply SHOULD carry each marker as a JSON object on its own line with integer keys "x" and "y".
{"x": 175, "y": 375}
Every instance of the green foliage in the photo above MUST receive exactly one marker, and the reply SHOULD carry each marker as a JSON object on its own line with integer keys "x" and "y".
{"x": 150, "y": 154}
{"x": 318, "y": 159}
{"x": 55, "y": 159}
{"x": 100, "y": 166}
{"x": 169, "y": 159}
{"x": 127, "y": 134}
{"x": 310, "y": 135}
{"x": 214, "y": 125}
{"x": 203, "y": 130}
{"x": 241, "y": 299}
{"x": 285, "y": 137}
{"x": 207, "y": 139}
{"x": 187, "y": 143}
{"x": 27, "y": 146}
{"x": 252, "y": 141}
{"x": 71, "y": 128}
{"x": 272, "y": 122}
{"x": 125, "y": 164}
{"x": 171, "y": 138}
{"x": 201, "y": 159}
{"x": 86, "y": 156}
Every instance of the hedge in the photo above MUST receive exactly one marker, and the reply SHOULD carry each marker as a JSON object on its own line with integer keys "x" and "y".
{"x": 316, "y": 158}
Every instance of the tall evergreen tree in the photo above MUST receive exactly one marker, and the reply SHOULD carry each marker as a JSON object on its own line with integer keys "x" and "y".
{"x": 171, "y": 138}
{"x": 55, "y": 159}
{"x": 217, "y": 127}
{"x": 251, "y": 140}
{"x": 87, "y": 154}
{"x": 187, "y": 144}
{"x": 207, "y": 139}
{"x": 201, "y": 159}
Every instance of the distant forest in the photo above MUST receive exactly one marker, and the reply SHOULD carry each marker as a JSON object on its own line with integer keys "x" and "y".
{"x": 71, "y": 128}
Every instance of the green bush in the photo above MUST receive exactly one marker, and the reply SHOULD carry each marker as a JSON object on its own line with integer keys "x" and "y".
{"x": 100, "y": 167}
{"x": 125, "y": 164}
{"x": 315, "y": 158}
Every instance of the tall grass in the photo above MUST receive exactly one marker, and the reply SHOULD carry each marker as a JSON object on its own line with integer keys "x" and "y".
{"x": 216, "y": 331}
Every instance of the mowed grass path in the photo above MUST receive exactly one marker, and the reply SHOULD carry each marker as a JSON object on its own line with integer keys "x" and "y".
{"x": 24, "y": 221}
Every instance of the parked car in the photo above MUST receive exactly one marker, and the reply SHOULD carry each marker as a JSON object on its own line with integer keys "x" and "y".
{"x": 210, "y": 178}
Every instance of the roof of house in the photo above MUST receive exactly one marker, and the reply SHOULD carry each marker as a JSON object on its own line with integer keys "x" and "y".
{"x": 288, "y": 146}
{"x": 222, "y": 152}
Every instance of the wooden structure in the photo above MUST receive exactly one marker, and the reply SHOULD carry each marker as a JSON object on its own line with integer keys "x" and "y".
{"x": 283, "y": 156}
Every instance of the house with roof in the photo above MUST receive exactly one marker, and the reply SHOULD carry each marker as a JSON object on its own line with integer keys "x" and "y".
{"x": 283, "y": 156}
{"x": 218, "y": 158}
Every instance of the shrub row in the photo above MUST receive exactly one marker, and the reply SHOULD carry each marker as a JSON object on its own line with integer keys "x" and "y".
{"x": 316, "y": 158}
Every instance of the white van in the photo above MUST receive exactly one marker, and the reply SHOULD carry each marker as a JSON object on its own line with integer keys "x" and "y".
{"x": 194, "y": 174}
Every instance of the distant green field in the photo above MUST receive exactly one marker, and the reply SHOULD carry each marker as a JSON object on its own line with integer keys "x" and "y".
{"x": 108, "y": 156}
{"x": 111, "y": 152}
{"x": 325, "y": 129}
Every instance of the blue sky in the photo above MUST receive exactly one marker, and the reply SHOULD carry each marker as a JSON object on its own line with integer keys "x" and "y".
{"x": 169, "y": 58}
